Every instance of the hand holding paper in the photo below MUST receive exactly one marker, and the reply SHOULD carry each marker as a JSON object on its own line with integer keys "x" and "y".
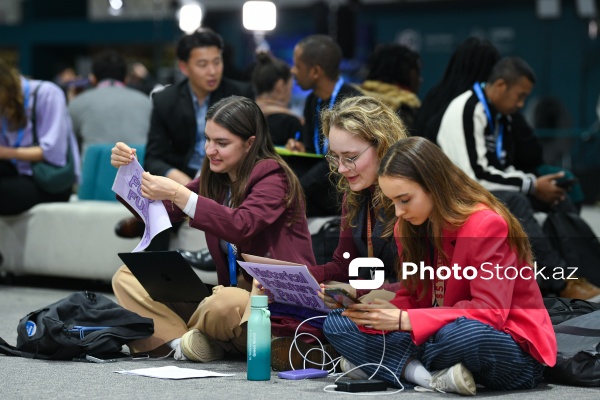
{"x": 128, "y": 185}
{"x": 156, "y": 187}
{"x": 287, "y": 282}
{"x": 122, "y": 155}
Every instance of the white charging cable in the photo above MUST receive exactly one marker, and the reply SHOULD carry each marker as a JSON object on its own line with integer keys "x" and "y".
{"x": 331, "y": 388}
{"x": 328, "y": 359}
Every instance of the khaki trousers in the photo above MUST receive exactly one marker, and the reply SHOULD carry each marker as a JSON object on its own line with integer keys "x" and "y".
{"x": 222, "y": 316}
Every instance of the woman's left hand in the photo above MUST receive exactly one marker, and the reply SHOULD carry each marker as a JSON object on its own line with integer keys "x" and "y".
{"x": 380, "y": 315}
{"x": 156, "y": 187}
{"x": 259, "y": 290}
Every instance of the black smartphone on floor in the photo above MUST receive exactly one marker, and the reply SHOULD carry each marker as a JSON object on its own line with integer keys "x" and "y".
{"x": 360, "y": 385}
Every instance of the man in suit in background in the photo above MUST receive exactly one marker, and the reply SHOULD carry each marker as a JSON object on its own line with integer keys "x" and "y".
{"x": 175, "y": 146}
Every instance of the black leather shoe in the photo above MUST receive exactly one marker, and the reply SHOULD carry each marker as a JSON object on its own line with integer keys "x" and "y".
{"x": 130, "y": 228}
{"x": 200, "y": 259}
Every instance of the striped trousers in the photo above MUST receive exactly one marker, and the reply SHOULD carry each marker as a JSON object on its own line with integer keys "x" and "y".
{"x": 493, "y": 357}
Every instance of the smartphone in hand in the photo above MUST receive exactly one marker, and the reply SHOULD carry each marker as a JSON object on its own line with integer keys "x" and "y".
{"x": 341, "y": 296}
{"x": 566, "y": 183}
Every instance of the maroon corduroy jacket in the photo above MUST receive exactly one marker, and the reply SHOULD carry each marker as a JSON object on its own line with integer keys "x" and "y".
{"x": 258, "y": 226}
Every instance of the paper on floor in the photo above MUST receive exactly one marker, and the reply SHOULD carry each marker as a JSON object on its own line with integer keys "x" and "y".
{"x": 172, "y": 372}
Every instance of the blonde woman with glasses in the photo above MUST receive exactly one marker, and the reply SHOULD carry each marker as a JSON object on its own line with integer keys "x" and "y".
{"x": 360, "y": 130}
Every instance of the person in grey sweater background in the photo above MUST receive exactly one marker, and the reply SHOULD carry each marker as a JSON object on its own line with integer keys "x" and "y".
{"x": 110, "y": 111}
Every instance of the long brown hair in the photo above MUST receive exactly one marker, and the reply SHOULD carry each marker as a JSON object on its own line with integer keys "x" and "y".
{"x": 455, "y": 197}
{"x": 376, "y": 123}
{"x": 12, "y": 106}
{"x": 242, "y": 117}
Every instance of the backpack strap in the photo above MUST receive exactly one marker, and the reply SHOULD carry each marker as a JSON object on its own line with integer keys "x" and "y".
{"x": 35, "y": 142}
{"x": 576, "y": 330}
{"x": 9, "y": 350}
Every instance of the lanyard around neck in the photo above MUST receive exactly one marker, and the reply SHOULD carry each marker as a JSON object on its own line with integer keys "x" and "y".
{"x": 231, "y": 252}
{"x": 232, "y": 261}
{"x": 488, "y": 113}
{"x": 334, "y": 94}
{"x": 26, "y": 88}
{"x": 369, "y": 235}
{"x": 439, "y": 285}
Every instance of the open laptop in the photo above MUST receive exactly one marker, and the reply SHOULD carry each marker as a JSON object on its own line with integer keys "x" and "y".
{"x": 166, "y": 276}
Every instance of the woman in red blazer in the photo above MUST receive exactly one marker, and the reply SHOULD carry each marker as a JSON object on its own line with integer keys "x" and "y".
{"x": 246, "y": 200}
{"x": 469, "y": 309}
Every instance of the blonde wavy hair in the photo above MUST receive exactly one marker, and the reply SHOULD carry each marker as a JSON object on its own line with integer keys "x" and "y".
{"x": 374, "y": 122}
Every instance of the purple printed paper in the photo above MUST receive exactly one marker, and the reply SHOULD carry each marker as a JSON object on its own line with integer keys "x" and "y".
{"x": 128, "y": 185}
{"x": 290, "y": 284}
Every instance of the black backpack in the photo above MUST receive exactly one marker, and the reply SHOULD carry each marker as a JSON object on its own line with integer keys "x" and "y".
{"x": 82, "y": 323}
{"x": 576, "y": 243}
{"x": 326, "y": 240}
{"x": 577, "y": 327}
{"x": 562, "y": 309}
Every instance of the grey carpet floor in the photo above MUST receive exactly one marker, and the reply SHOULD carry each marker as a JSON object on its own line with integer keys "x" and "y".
{"x": 25, "y": 378}
{"x": 35, "y": 379}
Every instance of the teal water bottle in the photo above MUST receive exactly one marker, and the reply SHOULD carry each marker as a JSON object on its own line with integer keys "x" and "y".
{"x": 259, "y": 340}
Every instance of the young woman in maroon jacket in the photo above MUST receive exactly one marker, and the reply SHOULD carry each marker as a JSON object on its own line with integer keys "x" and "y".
{"x": 246, "y": 200}
{"x": 476, "y": 314}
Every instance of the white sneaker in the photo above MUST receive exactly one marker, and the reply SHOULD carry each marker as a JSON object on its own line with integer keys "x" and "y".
{"x": 196, "y": 346}
{"x": 456, "y": 379}
{"x": 357, "y": 373}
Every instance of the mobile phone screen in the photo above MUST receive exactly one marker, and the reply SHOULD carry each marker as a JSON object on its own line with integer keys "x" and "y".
{"x": 567, "y": 183}
{"x": 341, "y": 296}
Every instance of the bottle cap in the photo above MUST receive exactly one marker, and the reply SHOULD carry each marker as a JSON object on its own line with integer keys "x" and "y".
{"x": 259, "y": 301}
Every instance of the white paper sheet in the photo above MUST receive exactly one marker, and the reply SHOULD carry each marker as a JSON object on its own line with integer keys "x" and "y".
{"x": 173, "y": 372}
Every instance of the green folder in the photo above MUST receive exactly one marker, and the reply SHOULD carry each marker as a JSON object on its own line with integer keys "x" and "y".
{"x": 282, "y": 151}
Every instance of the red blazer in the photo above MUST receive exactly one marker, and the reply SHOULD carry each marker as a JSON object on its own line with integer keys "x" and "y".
{"x": 258, "y": 226}
{"x": 513, "y": 306}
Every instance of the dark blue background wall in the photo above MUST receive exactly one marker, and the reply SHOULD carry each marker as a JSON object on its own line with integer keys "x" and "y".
{"x": 566, "y": 60}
